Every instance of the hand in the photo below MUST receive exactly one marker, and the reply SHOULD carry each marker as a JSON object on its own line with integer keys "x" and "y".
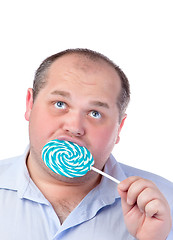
{"x": 146, "y": 211}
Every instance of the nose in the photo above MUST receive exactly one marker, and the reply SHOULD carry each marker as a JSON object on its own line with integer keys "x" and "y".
{"x": 74, "y": 125}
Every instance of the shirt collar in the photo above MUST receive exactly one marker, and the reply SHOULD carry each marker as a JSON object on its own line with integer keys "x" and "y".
{"x": 106, "y": 191}
{"x": 114, "y": 169}
{"x": 15, "y": 177}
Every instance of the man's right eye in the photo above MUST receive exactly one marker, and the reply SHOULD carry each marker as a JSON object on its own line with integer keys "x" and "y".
{"x": 60, "y": 105}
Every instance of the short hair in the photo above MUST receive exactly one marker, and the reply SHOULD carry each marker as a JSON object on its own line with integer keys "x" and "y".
{"x": 42, "y": 73}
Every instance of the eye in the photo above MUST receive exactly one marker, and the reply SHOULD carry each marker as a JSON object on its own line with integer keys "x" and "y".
{"x": 95, "y": 114}
{"x": 60, "y": 105}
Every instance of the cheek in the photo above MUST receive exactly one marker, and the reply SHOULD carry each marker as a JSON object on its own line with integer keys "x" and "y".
{"x": 40, "y": 126}
{"x": 106, "y": 134}
{"x": 103, "y": 143}
{"x": 106, "y": 138}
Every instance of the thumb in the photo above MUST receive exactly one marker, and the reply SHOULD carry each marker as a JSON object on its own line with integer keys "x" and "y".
{"x": 123, "y": 194}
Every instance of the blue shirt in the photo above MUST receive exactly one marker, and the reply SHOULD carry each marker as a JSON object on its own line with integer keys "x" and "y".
{"x": 25, "y": 214}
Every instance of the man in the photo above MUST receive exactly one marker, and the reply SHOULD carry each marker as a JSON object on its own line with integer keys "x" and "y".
{"x": 80, "y": 96}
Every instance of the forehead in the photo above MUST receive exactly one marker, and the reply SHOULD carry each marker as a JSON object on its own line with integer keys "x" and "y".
{"x": 81, "y": 62}
{"x": 77, "y": 62}
{"x": 93, "y": 75}
{"x": 84, "y": 78}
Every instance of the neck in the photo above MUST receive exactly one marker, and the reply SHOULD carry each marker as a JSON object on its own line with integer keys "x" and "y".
{"x": 58, "y": 188}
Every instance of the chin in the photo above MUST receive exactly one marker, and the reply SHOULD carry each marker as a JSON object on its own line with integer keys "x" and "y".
{"x": 76, "y": 180}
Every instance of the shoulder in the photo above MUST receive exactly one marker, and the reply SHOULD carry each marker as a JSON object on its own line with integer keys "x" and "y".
{"x": 165, "y": 186}
{"x": 6, "y": 163}
{"x": 9, "y": 171}
{"x": 10, "y": 163}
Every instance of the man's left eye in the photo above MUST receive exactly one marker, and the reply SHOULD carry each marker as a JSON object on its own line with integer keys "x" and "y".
{"x": 95, "y": 114}
{"x": 60, "y": 105}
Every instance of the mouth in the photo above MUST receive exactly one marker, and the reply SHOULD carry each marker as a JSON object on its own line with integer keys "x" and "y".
{"x": 71, "y": 139}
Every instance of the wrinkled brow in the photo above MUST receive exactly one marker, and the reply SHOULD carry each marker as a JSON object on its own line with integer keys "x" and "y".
{"x": 61, "y": 93}
{"x": 99, "y": 104}
{"x": 94, "y": 103}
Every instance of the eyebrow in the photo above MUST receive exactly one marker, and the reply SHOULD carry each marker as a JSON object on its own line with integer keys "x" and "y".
{"x": 61, "y": 93}
{"x": 93, "y": 103}
{"x": 99, "y": 104}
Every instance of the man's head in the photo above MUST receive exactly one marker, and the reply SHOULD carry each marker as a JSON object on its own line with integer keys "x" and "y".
{"x": 41, "y": 74}
{"x": 77, "y": 97}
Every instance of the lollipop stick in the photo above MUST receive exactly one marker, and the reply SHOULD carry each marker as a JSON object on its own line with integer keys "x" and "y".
{"x": 105, "y": 174}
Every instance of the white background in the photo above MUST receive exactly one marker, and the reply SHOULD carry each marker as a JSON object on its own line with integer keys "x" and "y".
{"x": 136, "y": 34}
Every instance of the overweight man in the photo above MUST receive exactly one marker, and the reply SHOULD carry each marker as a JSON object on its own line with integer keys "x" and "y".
{"x": 80, "y": 96}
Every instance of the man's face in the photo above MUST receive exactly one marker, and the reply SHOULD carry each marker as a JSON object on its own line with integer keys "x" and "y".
{"x": 77, "y": 104}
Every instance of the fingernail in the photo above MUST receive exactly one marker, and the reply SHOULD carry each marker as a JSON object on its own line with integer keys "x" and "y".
{"x": 129, "y": 202}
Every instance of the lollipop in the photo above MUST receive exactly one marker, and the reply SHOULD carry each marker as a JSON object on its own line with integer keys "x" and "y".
{"x": 69, "y": 159}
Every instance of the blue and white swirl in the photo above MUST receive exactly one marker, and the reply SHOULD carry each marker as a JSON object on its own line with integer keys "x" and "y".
{"x": 67, "y": 158}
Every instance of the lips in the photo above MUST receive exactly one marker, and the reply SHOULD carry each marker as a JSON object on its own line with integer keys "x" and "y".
{"x": 72, "y": 139}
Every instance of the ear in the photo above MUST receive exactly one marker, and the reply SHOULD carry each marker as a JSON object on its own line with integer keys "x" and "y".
{"x": 120, "y": 127}
{"x": 29, "y": 103}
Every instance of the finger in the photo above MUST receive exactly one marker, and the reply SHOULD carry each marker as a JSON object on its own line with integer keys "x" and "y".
{"x": 146, "y": 196}
{"x": 136, "y": 188}
{"x": 125, "y": 206}
{"x": 155, "y": 208}
{"x": 125, "y": 184}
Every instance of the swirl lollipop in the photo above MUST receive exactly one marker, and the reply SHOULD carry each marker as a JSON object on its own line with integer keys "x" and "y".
{"x": 69, "y": 159}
